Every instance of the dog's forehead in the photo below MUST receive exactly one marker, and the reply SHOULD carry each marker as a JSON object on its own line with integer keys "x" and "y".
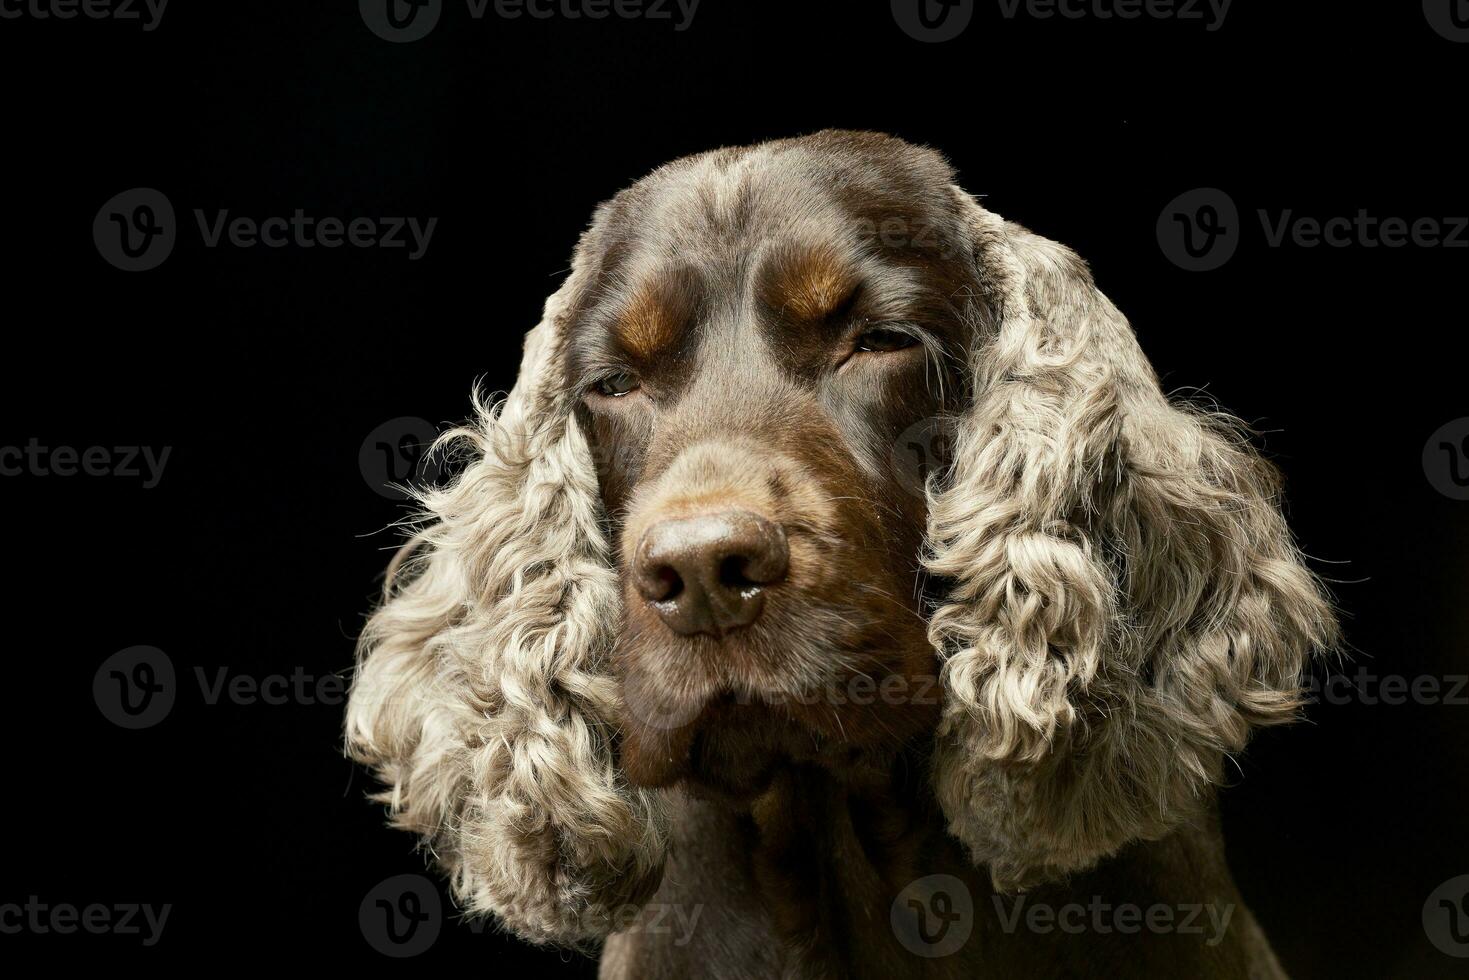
{"x": 809, "y": 190}
{"x": 792, "y": 224}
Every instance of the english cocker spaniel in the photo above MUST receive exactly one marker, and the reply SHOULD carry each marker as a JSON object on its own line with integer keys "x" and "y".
{"x": 687, "y": 661}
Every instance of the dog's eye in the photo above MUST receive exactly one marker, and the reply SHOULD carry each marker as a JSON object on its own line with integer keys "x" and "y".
{"x": 617, "y": 385}
{"x": 883, "y": 340}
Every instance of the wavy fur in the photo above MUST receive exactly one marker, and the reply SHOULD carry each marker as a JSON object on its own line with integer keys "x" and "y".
{"x": 481, "y": 697}
{"x": 1127, "y": 600}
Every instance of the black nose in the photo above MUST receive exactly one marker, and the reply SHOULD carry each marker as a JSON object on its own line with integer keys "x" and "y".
{"x": 707, "y": 573}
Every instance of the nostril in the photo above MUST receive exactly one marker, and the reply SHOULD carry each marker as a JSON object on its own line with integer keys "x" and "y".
{"x": 669, "y": 584}
{"x": 732, "y": 572}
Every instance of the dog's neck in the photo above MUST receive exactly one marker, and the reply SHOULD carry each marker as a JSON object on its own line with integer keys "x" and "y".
{"x": 803, "y": 880}
{"x": 826, "y": 846}
{"x": 825, "y": 851}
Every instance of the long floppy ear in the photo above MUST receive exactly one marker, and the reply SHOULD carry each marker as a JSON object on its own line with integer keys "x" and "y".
{"x": 1127, "y": 602}
{"x": 481, "y": 697}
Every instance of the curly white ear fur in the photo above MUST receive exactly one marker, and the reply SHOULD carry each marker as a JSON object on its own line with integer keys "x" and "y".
{"x": 481, "y": 698}
{"x": 1127, "y": 600}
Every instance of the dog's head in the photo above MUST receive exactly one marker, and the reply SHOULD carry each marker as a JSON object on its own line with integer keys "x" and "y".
{"x": 696, "y": 543}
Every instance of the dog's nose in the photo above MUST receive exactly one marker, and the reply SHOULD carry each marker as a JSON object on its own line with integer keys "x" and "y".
{"x": 708, "y": 573}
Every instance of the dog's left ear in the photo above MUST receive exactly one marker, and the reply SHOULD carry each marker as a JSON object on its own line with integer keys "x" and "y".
{"x": 1127, "y": 601}
{"x": 482, "y": 697}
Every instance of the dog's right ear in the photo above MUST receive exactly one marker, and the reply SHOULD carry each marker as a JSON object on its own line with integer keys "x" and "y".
{"x": 1128, "y": 604}
{"x": 481, "y": 698}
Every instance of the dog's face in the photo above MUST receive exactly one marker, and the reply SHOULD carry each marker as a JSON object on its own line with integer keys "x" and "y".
{"x": 753, "y": 356}
{"x": 683, "y": 532}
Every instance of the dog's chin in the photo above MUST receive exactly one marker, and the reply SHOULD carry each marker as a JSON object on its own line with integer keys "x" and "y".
{"x": 732, "y": 747}
{"x": 731, "y": 752}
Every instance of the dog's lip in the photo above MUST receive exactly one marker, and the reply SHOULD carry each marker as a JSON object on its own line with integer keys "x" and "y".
{"x": 655, "y": 758}
{"x": 658, "y": 758}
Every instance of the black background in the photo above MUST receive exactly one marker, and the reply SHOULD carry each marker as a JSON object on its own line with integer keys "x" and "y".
{"x": 265, "y": 369}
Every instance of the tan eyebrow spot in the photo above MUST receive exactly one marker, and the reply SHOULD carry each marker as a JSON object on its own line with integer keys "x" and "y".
{"x": 656, "y": 313}
{"x": 811, "y": 283}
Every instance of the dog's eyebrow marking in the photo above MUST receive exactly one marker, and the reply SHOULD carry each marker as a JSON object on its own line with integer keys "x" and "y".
{"x": 808, "y": 282}
{"x": 657, "y": 312}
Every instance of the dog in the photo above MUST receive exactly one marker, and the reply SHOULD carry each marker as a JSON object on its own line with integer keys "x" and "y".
{"x": 690, "y": 638}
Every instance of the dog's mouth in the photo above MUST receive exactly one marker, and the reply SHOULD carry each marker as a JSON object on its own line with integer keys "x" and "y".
{"x": 730, "y": 749}
{"x": 735, "y": 745}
